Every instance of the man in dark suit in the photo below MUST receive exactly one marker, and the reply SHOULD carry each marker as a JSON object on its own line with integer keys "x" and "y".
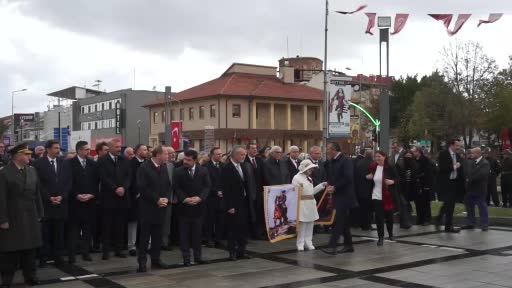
{"x": 258, "y": 229}
{"x": 236, "y": 192}
{"x": 492, "y": 189}
{"x": 451, "y": 183}
{"x": 340, "y": 177}
{"x": 363, "y": 188}
{"x": 84, "y": 189}
{"x": 275, "y": 170}
{"x": 101, "y": 150}
{"x": 154, "y": 188}
{"x": 169, "y": 220}
{"x": 141, "y": 153}
{"x": 4, "y": 159}
{"x": 115, "y": 186}
{"x": 397, "y": 153}
{"x": 192, "y": 186}
{"x": 293, "y": 162}
{"x": 21, "y": 209}
{"x": 215, "y": 215}
{"x": 55, "y": 178}
{"x": 476, "y": 187}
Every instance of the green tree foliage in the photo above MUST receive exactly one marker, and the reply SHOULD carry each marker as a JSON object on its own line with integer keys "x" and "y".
{"x": 402, "y": 91}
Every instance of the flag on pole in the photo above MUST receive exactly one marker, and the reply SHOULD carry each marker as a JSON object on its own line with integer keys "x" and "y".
{"x": 400, "y": 20}
{"x": 371, "y": 22}
{"x": 493, "y": 17}
{"x": 362, "y": 7}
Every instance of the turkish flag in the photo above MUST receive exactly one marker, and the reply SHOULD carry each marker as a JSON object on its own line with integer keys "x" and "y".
{"x": 352, "y": 12}
{"x": 461, "y": 19}
{"x": 493, "y": 17}
{"x": 371, "y": 22}
{"x": 505, "y": 138}
{"x": 400, "y": 20}
{"x": 176, "y": 127}
{"x": 446, "y": 18}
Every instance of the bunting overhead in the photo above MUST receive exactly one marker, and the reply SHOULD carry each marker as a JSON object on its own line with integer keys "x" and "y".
{"x": 447, "y": 20}
{"x": 371, "y": 22}
{"x": 493, "y": 17}
{"x": 400, "y": 20}
{"x": 360, "y": 8}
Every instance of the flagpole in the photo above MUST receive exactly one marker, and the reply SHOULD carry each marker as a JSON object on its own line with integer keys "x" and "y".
{"x": 326, "y": 102}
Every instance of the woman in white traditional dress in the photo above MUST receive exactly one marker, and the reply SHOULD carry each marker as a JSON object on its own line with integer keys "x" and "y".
{"x": 308, "y": 212}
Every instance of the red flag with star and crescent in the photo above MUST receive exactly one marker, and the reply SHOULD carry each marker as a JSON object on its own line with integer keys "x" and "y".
{"x": 176, "y": 127}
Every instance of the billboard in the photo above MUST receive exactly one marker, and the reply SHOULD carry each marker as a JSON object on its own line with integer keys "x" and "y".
{"x": 339, "y": 94}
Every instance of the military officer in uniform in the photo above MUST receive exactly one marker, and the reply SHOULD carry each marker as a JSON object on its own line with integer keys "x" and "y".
{"x": 21, "y": 209}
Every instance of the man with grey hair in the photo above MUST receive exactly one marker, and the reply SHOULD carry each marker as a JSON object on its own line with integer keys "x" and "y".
{"x": 476, "y": 186}
{"x": 275, "y": 171}
{"x": 319, "y": 175}
{"x": 39, "y": 152}
{"x": 293, "y": 162}
{"x": 129, "y": 153}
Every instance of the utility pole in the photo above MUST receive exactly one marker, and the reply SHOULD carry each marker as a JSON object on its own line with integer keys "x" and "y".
{"x": 326, "y": 97}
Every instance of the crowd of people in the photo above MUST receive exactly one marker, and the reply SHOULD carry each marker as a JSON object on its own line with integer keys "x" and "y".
{"x": 148, "y": 198}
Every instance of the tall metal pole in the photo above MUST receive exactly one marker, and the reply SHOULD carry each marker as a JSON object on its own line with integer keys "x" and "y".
{"x": 326, "y": 98}
{"x": 12, "y": 140}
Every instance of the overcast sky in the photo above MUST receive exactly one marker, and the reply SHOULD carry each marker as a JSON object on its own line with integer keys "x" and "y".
{"x": 48, "y": 45}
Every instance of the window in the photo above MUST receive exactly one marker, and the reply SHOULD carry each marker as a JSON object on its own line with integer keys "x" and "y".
{"x": 201, "y": 112}
{"x": 213, "y": 111}
{"x": 155, "y": 117}
{"x": 191, "y": 113}
{"x": 236, "y": 110}
{"x": 88, "y": 125}
{"x": 112, "y": 123}
{"x": 83, "y": 110}
{"x": 182, "y": 114}
{"x": 102, "y": 106}
{"x": 100, "y": 124}
{"x": 83, "y": 126}
{"x": 93, "y": 108}
{"x": 163, "y": 116}
{"x": 172, "y": 115}
{"x": 110, "y": 105}
{"x": 95, "y": 125}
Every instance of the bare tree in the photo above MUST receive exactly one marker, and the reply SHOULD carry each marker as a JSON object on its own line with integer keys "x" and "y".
{"x": 467, "y": 69}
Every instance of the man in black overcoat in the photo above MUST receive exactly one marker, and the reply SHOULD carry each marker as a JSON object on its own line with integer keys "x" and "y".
{"x": 258, "y": 230}
{"x": 214, "y": 218}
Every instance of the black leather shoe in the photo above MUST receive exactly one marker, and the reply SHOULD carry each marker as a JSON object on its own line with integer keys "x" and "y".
{"x": 42, "y": 263}
{"x": 159, "y": 264}
{"x": 210, "y": 244}
{"x": 59, "y": 261}
{"x": 242, "y": 255}
{"x": 406, "y": 227}
{"x": 142, "y": 268}
{"x": 330, "y": 251}
{"x": 120, "y": 255}
{"x": 232, "y": 256}
{"x": 106, "y": 256}
{"x": 391, "y": 238}
{"x": 485, "y": 229}
{"x": 133, "y": 252}
{"x": 347, "y": 249}
{"x": 86, "y": 257}
{"x": 199, "y": 261}
{"x": 380, "y": 242}
{"x": 32, "y": 281}
{"x": 187, "y": 264}
{"x": 72, "y": 260}
{"x": 467, "y": 227}
{"x": 451, "y": 230}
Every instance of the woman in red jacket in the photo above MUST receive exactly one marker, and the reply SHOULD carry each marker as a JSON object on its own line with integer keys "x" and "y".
{"x": 383, "y": 178}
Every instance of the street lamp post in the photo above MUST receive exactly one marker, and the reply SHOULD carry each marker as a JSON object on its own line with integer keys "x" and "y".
{"x": 12, "y": 112}
{"x": 139, "y": 122}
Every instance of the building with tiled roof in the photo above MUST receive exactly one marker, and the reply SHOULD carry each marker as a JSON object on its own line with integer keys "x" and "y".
{"x": 246, "y": 103}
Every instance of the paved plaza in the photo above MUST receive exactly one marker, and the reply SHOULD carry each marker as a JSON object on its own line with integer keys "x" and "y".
{"x": 420, "y": 257}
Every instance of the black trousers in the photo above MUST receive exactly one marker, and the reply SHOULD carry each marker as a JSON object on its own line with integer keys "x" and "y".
{"x": 492, "y": 191}
{"x": 149, "y": 231}
{"x": 114, "y": 223}
{"x": 190, "y": 236}
{"x": 214, "y": 221}
{"x": 259, "y": 228}
{"x": 448, "y": 205}
{"x": 422, "y": 203}
{"x": 238, "y": 229}
{"x": 506, "y": 189}
{"x": 53, "y": 238}
{"x": 365, "y": 213}
{"x": 382, "y": 216}
{"x": 79, "y": 234}
{"x": 97, "y": 227}
{"x": 341, "y": 226}
{"x": 12, "y": 261}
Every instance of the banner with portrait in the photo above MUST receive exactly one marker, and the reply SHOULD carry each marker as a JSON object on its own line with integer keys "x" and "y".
{"x": 326, "y": 211}
{"x": 281, "y": 211}
{"x": 340, "y": 93}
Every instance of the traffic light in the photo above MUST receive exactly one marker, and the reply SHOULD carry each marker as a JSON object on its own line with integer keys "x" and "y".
{"x": 374, "y": 135}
